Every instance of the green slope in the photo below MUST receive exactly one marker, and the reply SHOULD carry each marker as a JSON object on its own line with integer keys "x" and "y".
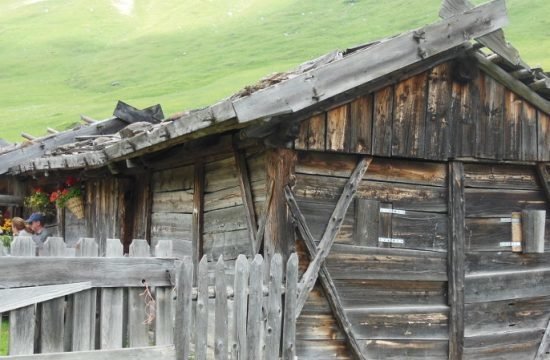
{"x": 63, "y": 58}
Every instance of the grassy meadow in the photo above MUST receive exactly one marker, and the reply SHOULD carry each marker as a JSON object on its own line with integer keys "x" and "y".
{"x": 65, "y": 58}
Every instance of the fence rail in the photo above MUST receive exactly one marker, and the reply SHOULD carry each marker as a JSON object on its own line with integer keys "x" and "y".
{"x": 137, "y": 301}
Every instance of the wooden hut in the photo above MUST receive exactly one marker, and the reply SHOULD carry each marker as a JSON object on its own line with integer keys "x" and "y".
{"x": 407, "y": 173}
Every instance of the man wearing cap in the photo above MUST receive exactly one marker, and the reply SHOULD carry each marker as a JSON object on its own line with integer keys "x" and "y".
{"x": 36, "y": 220}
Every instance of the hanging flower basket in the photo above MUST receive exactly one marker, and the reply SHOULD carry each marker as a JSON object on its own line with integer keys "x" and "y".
{"x": 76, "y": 206}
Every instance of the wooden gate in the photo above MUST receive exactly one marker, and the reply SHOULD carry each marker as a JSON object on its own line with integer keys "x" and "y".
{"x": 70, "y": 304}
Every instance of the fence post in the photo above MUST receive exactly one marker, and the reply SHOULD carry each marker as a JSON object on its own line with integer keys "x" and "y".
{"x": 240, "y": 302}
{"x": 274, "y": 310}
{"x": 84, "y": 304}
{"x": 201, "y": 321}
{"x": 220, "y": 340}
{"x": 138, "y": 329}
{"x": 182, "y": 330}
{"x": 255, "y": 302}
{"x": 112, "y": 306}
{"x": 22, "y": 321}
{"x": 164, "y": 323}
{"x": 53, "y": 311}
{"x": 291, "y": 296}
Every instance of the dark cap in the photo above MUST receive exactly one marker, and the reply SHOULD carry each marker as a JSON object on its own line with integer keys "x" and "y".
{"x": 35, "y": 217}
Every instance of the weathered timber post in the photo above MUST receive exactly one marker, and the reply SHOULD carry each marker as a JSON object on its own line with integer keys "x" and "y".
{"x": 279, "y": 231}
{"x": 532, "y": 226}
{"x": 455, "y": 270}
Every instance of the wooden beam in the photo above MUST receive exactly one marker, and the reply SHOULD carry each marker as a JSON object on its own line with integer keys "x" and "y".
{"x": 28, "y": 136}
{"x": 494, "y": 41}
{"x": 11, "y": 299}
{"x": 327, "y": 283}
{"x": 144, "y": 353}
{"x": 130, "y": 114}
{"x": 51, "y": 131}
{"x": 544, "y": 178}
{"x": 87, "y": 119}
{"x": 279, "y": 233}
{"x": 198, "y": 215}
{"x": 364, "y": 66}
{"x": 263, "y": 218}
{"x": 101, "y": 272}
{"x": 456, "y": 255}
{"x": 246, "y": 195}
{"x": 11, "y": 200}
{"x": 310, "y": 276}
{"x": 532, "y": 226}
{"x": 512, "y": 83}
{"x": 545, "y": 342}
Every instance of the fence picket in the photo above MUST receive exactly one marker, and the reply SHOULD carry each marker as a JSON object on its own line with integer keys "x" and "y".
{"x": 53, "y": 312}
{"x": 84, "y": 304}
{"x": 221, "y": 333}
{"x": 164, "y": 322}
{"x": 138, "y": 329}
{"x": 291, "y": 296}
{"x": 112, "y": 306}
{"x": 274, "y": 310}
{"x": 255, "y": 301}
{"x": 22, "y": 321}
{"x": 202, "y": 310}
{"x": 241, "y": 303}
{"x": 184, "y": 308}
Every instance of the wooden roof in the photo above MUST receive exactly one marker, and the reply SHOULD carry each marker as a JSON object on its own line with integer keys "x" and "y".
{"x": 316, "y": 85}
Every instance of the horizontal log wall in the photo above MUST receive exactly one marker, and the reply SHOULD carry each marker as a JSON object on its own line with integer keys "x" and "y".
{"x": 431, "y": 116}
{"x": 172, "y": 208}
{"x": 506, "y": 293}
{"x": 394, "y": 294}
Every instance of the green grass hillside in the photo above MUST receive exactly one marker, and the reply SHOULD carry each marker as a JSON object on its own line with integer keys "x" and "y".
{"x": 63, "y": 58}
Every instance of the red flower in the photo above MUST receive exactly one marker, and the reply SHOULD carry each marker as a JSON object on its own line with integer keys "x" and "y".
{"x": 70, "y": 181}
{"x": 54, "y": 196}
{"x": 64, "y": 192}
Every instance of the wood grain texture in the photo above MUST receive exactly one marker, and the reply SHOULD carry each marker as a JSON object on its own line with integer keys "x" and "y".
{"x": 438, "y": 113}
{"x": 500, "y": 176}
{"x": 490, "y": 144}
{"x": 159, "y": 352}
{"x": 465, "y": 112}
{"x": 111, "y": 320}
{"x": 338, "y": 129}
{"x": 138, "y": 329}
{"x": 360, "y": 118}
{"x": 409, "y": 115}
{"x": 543, "y": 131}
{"x": 501, "y": 203}
{"x": 382, "y": 122}
{"x": 164, "y": 327}
{"x": 406, "y": 349}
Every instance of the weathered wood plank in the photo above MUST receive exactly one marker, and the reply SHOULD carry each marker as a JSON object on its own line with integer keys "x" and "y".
{"x": 11, "y": 200}
{"x": 239, "y": 349}
{"x": 11, "y": 299}
{"x": 53, "y": 312}
{"x": 381, "y": 169}
{"x": 488, "y": 234}
{"x": 255, "y": 301}
{"x": 390, "y": 349}
{"x": 155, "y": 352}
{"x": 543, "y": 131}
{"x": 197, "y": 227}
{"x": 490, "y": 144}
{"x": 111, "y": 320}
{"x": 316, "y": 139}
{"x": 360, "y": 118}
{"x": 465, "y": 111}
{"x": 173, "y": 202}
{"x": 84, "y": 303}
{"x": 180, "y": 178}
{"x": 419, "y": 230}
{"x": 500, "y": 176}
{"x": 508, "y": 345}
{"x": 501, "y": 203}
{"x": 201, "y": 323}
{"x": 505, "y": 262}
{"x": 138, "y": 332}
{"x": 338, "y": 124}
{"x": 367, "y": 218}
{"x": 369, "y": 64}
{"x": 274, "y": 309}
{"x": 544, "y": 343}
{"x": 164, "y": 327}
{"x": 407, "y": 322}
{"x": 171, "y": 226}
{"x": 409, "y": 116}
{"x": 291, "y": 296}
{"x": 354, "y": 262}
{"x": 327, "y": 240}
{"x": 246, "y": 195}
{"x": 456, "y": 266}
{"x": 184, "y": 309}
{"x": 222, "y": 220}
{"x": 22, "y": 321}
{"x": 543, "y": 173}
{"x": 487, "y": 318}
{"x": 438, "y": 113}
{"x": 220, "y": 174}
{"x": 221, "y": 341}
{"x": 402, "y": 196}
{"x": 229, "y": 244}
{"x": 121, "y": 272}
{"x": 382, "y": 122}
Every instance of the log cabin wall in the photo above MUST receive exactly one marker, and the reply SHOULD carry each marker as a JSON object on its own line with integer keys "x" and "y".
{"x": 431, "y": 116}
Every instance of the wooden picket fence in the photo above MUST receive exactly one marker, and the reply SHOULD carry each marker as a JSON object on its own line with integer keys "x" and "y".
{"x": 138, "y": 306}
